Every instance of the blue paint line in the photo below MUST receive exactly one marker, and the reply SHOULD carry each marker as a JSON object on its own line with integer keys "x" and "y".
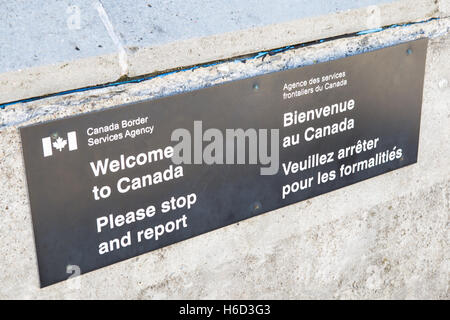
{"x": 255, "y": 56}
{"x": 369, "y": 31}
{"x": 394, "y": 26}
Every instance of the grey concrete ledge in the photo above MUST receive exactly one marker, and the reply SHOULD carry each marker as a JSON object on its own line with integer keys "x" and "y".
{"x": 109, "y": 41}
{"x": 187, "y": 80}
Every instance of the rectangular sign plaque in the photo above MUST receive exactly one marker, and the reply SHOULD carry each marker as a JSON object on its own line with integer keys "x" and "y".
{"x": 110, "y": 185}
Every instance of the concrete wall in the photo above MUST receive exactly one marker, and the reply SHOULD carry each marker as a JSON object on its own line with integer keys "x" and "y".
{"x": 386, "y": 237}
{"x": 101, "y": 41}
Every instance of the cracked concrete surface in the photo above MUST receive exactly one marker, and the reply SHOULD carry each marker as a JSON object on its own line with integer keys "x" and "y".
{"x": 386, "y": 237}
{"x": 57, "y": 46}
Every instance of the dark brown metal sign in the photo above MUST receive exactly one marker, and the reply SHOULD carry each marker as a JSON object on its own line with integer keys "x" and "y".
{"x": 110, "y": 185}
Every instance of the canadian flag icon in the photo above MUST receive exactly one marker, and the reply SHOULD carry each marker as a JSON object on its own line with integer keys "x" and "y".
{"x": 59, "y": 143}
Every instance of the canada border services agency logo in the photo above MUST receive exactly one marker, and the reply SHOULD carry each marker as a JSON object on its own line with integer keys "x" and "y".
{"x": 59, "y": 143}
